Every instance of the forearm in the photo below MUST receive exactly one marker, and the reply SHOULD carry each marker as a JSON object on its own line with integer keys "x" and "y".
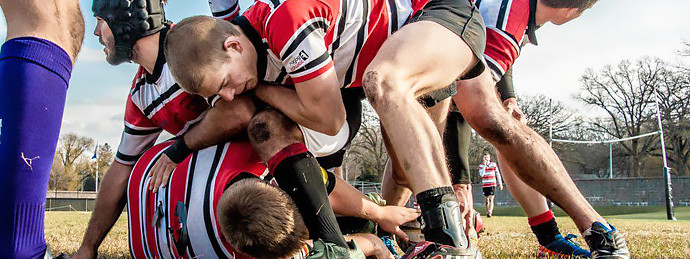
{"x": 223, "y": 121}
{"x": 348, "y": 201}
{"x": 110, "y": 201}
{"x": 326, "y": 118}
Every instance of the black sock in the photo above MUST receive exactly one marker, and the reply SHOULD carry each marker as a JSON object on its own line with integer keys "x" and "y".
{"x": 546, "y": 232}
{"x": 439, "y": 224}
{"x": 300, "y": 176}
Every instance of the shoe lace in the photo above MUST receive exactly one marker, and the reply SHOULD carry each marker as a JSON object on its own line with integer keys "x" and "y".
{"x": 569, "y": 238}
{"x": 390, "y": 245}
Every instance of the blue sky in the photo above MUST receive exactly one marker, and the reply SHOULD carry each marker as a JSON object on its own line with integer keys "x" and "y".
{"x": 611, "y": 31}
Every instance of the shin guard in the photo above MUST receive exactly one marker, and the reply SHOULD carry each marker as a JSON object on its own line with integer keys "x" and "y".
{"x": 441, "y": 214}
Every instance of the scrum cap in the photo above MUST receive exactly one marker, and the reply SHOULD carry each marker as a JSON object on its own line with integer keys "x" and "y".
{"x": 129, "y": 20}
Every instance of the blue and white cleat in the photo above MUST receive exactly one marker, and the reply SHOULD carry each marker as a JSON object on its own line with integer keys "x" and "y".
{"x": 563, "y": 247}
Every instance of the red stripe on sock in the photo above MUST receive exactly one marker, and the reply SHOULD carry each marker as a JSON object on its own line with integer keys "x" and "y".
{"x": 291, "y": 150}
{"x": 541, "y": 218}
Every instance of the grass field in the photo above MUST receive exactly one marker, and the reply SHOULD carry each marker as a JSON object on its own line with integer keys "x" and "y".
{"x": 507, "y": 235}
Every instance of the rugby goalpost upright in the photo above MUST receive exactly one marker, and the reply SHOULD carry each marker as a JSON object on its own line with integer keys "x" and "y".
{"x": 610, "y": 142}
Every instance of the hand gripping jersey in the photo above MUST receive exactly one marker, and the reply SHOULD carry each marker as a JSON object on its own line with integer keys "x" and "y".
{"x": 297, "y": 40}
{"x": 156, "y": 103}
{"x": 488, "y": 173}
{"x": 507, "y": 22}
{"x": 194, "y": 187}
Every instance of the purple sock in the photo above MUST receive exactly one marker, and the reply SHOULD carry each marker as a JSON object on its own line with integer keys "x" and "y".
{"x": 34, "y": 74}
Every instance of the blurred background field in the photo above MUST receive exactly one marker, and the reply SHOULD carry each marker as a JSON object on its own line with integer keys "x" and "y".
{"x": 507, "y": 235}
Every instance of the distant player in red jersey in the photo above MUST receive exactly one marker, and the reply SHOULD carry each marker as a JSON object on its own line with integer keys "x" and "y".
{"x": 491, "y": 179}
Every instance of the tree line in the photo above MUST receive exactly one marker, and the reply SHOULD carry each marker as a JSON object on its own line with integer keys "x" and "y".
{"x": 620, "y": 101}
{"x": 73, "y": 167}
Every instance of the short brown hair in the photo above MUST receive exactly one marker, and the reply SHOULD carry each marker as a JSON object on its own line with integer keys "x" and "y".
{"x": 194, "y": 45}
{"x": 261, "y": 220}
{"x": 579, "y": 4}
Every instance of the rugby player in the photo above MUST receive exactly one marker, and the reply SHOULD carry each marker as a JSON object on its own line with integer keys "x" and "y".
{"x": 319, "y": 47}
{"x": 491, "y": 179}
{"x": 155, "y": 103}
{"x": 523, "y": 154}
{"x": 36, "y": 63}
{"x": 215, "y": 206}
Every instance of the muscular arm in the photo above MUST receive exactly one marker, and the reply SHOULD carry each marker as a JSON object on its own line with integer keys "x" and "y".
{"x": 315, "y": 104}
{"x": 224, "y": 120}
{"x": 348, "y": 201}
{"x": 109, "y": 204}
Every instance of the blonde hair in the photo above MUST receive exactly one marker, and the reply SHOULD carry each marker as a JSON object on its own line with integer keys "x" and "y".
{"x": 193, "y": 46}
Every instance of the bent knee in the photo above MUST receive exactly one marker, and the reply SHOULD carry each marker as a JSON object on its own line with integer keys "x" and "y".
{"x": 381, "y": 88}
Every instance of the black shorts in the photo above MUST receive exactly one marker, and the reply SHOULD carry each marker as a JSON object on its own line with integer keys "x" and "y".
{"x": 488, "y": 191}
{"x": 462, "y": 18}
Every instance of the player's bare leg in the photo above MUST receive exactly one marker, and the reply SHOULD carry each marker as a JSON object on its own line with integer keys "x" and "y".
{"x": 279, "y": 141}
{"x": 531, "y": 201}
{"x": 531, "y": 157}
{"x": 393, "y": 192}
{"x": 43, "y": 40}
{"x": 405, "y": 67}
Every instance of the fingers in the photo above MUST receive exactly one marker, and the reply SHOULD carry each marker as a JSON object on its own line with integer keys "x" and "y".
{"x": 401, "y": 234}
{"x": 168, "y": 172}
{"x": 153, "y": 175}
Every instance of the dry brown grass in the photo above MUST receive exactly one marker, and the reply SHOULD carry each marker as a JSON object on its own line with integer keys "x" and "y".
{"x": 505, "y": 237}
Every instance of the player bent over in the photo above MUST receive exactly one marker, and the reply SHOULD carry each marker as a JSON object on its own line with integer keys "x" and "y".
{"x": 155, "y": 103}
{"x": 215, "y": 205}
{"x": 520, "y": 149}
{"x": 314, "y": 47}
{"x": 36, "y": 60}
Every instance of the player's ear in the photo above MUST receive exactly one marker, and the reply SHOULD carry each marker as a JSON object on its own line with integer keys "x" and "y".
{"x": 232, "y": 43}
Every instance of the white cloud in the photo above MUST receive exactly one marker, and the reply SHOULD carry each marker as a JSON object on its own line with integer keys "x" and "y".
{"x": 100, "y": 119}
{"x": 3, "y": 27}
{"x": 91, "y": 55}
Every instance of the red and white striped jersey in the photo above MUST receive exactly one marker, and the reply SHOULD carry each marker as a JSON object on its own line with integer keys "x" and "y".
{"x": 197, "y": 184}
{"x": 489, "y": 173}
{"x": 156, "y": 103}
{"x": 507, "y": 22}
{"x": 297, "y": 40}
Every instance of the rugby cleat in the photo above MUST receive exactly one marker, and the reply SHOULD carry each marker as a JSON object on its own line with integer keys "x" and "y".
{"x": 431, "y": 250}
{"x": 326, "y": 250}
{"x": 606, "y": 242}
{"x": 563, "y": 247}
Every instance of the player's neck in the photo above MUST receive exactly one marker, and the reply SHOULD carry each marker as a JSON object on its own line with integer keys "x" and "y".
{"x": 145, "y": 52}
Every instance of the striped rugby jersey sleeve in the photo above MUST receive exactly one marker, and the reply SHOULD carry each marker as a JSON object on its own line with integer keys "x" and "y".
{"x": 224, "y": 9}
{"x": 140, "y": 134}
{"x": 506, "y": 22}
{"x": 296, "y": 33}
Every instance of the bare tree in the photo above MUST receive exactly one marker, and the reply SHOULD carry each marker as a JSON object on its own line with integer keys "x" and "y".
{"x": 367, "y": 152}
{"x": 626, "y": 94}
{"x": 674, "y": 93}
{"x": 70, "y": 149}
{"x": 539, "y": 117}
